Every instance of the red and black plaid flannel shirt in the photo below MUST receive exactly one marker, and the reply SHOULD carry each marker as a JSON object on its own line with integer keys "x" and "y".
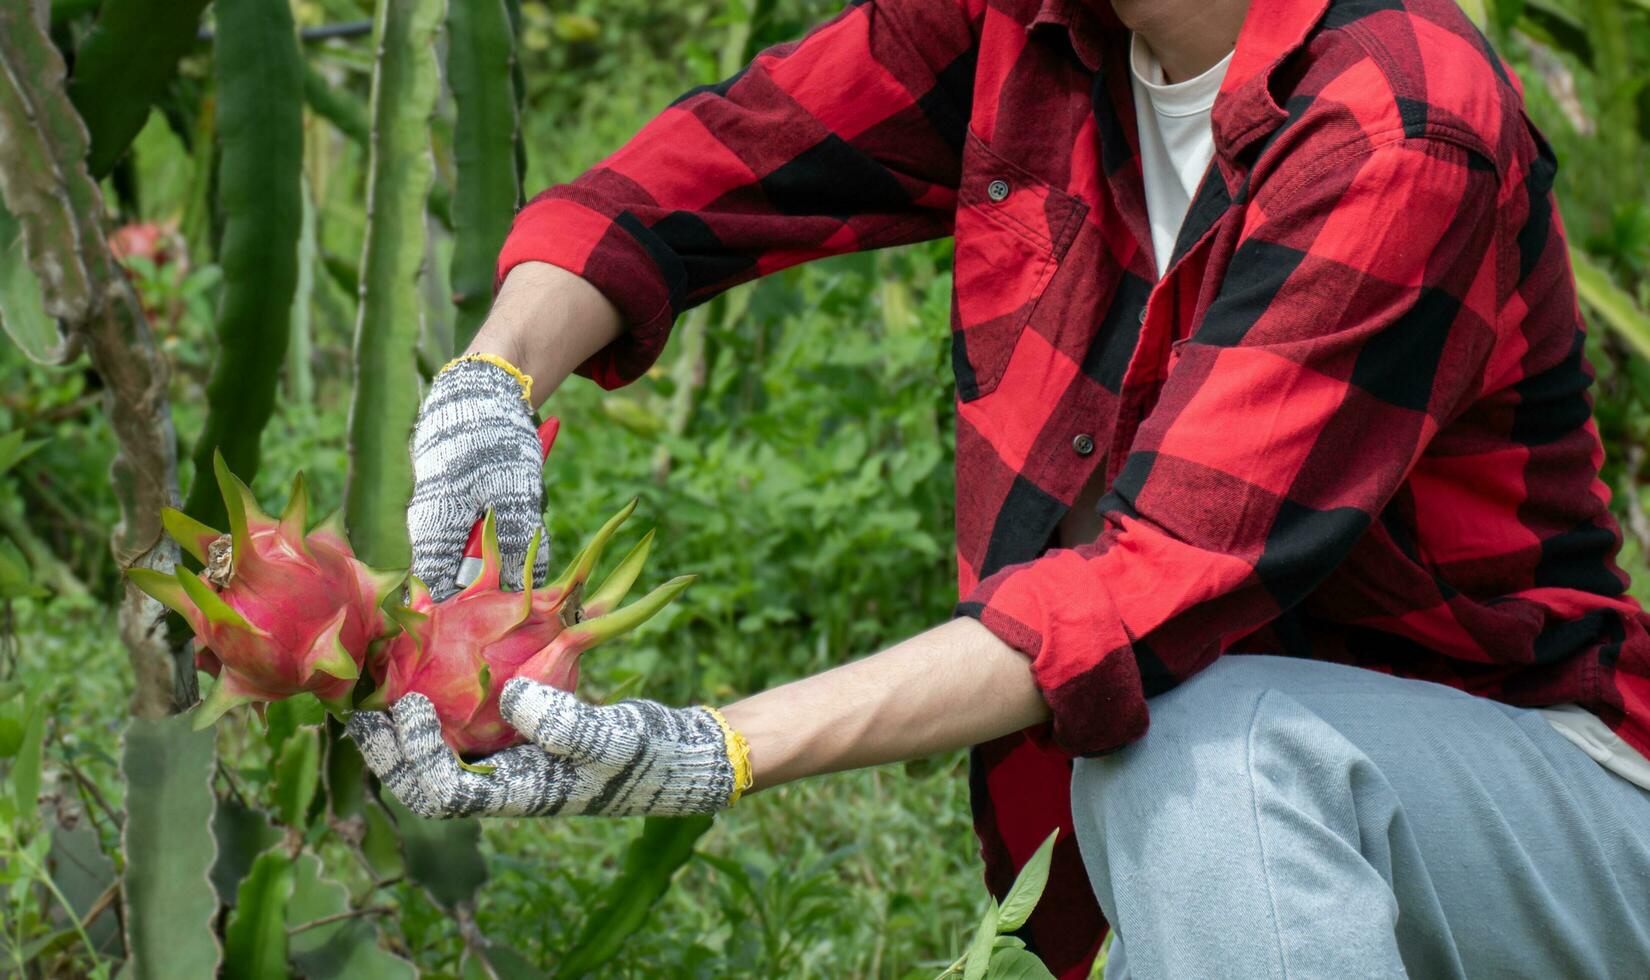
{"x": 1350, "y": 422}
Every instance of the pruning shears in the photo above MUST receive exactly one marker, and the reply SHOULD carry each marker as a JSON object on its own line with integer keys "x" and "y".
{"x": 470, "y": 567}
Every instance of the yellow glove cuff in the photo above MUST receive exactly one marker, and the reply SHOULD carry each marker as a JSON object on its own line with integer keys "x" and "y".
{"x": 522, "y": 378}
{"x": 739, "y": 754}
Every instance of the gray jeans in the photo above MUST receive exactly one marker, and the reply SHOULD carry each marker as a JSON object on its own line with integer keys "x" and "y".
{"x": 1290, "y": 818}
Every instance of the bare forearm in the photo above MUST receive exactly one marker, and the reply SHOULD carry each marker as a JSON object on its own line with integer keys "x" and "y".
{"x": 953, "y": 686}
{"x": 546, "y": 321}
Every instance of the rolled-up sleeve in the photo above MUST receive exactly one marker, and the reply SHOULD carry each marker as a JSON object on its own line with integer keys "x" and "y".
{"x": 1355, "y": 318}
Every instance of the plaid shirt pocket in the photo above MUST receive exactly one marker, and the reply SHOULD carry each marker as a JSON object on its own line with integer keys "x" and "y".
{"x": 1012, "y": 230}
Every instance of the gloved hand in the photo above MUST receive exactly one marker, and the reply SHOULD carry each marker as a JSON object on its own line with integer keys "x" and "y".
{"x": 475, "y": 447}
{"x": 633, "y": 757}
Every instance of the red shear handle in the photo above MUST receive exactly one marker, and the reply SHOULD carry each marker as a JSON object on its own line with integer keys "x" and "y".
{"x": 472, "y": 548}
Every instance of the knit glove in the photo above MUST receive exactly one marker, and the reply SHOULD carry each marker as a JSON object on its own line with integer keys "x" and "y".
{"x": 633, "y": 757}
{"x": 475, "y": 447}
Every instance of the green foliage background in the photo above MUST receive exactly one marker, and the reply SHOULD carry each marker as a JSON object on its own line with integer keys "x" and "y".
{"x": 794, "y": 449}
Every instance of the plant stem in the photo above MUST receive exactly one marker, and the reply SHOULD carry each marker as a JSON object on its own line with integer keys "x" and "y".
{"x": 98, "y": 968}
{"x": 51, "y": 570}
{"x": 327, "y": 920}
{"x": 96, "y": 794}
{"x": 234, "y": 787}
{"x": 101, "y": 905}
{"x": 689, "y": 373}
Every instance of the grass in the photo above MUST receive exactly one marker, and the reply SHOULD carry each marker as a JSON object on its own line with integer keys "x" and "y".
{"x": 866, "y": 874}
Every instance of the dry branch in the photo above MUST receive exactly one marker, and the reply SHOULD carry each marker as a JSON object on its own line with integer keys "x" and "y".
{"x": 46, "y": 185}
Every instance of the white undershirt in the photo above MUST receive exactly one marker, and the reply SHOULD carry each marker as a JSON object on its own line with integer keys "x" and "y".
{"x": 1176, "y": 145}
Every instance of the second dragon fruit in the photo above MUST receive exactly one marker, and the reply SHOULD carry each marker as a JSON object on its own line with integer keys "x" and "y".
{"x": 459, "y": 652}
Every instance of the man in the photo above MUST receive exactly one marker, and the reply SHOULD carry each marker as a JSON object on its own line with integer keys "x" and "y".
{"x": 1266, "y": 343}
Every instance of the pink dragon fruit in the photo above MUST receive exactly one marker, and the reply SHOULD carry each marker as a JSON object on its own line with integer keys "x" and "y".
{"x": 277, "y": 611}
{"x": 460, "y": 651}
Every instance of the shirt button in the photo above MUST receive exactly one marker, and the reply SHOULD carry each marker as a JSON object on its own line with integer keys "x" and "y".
{"x": 997, "y": 190}
{"x": 1083, "y": 444}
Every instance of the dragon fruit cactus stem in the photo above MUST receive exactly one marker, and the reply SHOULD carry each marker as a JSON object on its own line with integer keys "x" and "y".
{"x": 460, "y": 651}
{"x": 278, "y": 610}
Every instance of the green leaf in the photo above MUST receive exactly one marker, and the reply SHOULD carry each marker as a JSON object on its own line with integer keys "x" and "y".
{"x": 297, "y": 775}
{"x": 1027, "y": 888}
{"x": 1612, "y": 303}
{"x": 337, "y": 105}
{"x": 487, "y": 192}
{"x": 50, "y": 943}
{"x": 442, "y": 855}
{"x": 381, "y": 842}
{"x": 626, "y": 685}
{"x": 14, "y": 449}
{"x": 389, "y": 319}
{"x": 1558, "y": 26}
{"x": 338, "y": 950}
{"x": 496, "y": 962}
{"x": 344, "y": 769}
{"x": 124, "y": 65}
{"x": 82, "y": 872}
{"x": 979, "y": 951}
{"x": 25, "y": 768}
{"x": 288, "y": 715}
{"x": 260, "y": 122}
{"x": 342, "y": 272}
{"x": 255, "y": 940}
{"x": 634, "y": 416}
{"x": 16, "y": 578}
{"x": 576, "y": 28}
{"x": 242, "y": 834}
{"x": 472, "y": 967}
{"x": 11, "y": 735}
{"x": 1105, "y": 952}
{"x": 736, "y": 873}
{"x": 167, "y": 839}
{"x": 651, "y": 860}
{"x": 1017, "y": 964}
{"x": 22, "y": 313}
